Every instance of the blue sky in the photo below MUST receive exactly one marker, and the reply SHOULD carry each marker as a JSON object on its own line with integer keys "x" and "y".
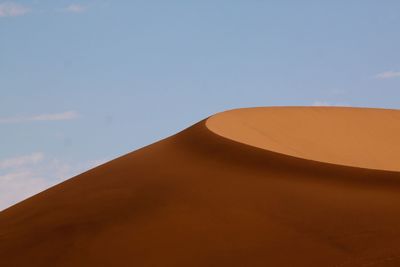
{"x": 83, "y": 82}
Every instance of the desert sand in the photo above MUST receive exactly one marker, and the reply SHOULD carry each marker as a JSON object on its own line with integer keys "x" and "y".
{"x": 281, "y": 186}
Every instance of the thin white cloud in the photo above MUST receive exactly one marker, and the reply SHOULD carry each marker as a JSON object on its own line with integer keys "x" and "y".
{"x": 18, "y": 185}
{"x": 75, "y": 8}
{"x": 320, "y": 104}
{"x": 68, "y": 115}
{"x": 327, "y": 104}
{"x": 11, "y": 9}
{"x": 387, "y": 75}
{"x": 21, "y": 160}
{"x": 26, "y": 175}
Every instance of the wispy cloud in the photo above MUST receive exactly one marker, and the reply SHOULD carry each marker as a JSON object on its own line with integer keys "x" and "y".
{"x": 20, "y": 178}
{"x": 75, "y": 8}
{"x": 67, "y": 115}
{"x": 388, "y": 75}
{"x": 21, "y": 161}
{"x": 319, "y": 103}
{"x": 26, "y": 175}
{"x": 10, "y": 9}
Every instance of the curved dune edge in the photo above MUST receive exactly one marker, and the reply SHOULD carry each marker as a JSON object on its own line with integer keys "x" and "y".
{"x": 364, "y": 138}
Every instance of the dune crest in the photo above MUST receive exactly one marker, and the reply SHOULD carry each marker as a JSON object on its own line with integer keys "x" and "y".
{"x": 358, "y": 137}
{"x": 221, "y": 194}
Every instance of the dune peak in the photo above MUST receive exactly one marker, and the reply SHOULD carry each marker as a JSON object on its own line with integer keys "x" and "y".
{"x": 357, "y": 137}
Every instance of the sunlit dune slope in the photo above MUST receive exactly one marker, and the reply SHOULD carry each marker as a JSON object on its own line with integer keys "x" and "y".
{"x": 360, "y": 137}
{"x": 248, "y": 187}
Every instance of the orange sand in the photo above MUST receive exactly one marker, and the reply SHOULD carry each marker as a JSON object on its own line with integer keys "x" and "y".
{"x": 248, "y": 187}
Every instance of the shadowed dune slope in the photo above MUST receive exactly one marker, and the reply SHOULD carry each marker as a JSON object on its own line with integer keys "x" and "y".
{"x": 248, "y": 187}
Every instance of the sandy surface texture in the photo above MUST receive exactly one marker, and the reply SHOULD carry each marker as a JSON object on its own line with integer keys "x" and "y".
{"x": 249, "y": 187}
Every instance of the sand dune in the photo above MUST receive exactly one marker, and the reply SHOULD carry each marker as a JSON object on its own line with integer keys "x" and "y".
{"x": 249, "y": 187}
